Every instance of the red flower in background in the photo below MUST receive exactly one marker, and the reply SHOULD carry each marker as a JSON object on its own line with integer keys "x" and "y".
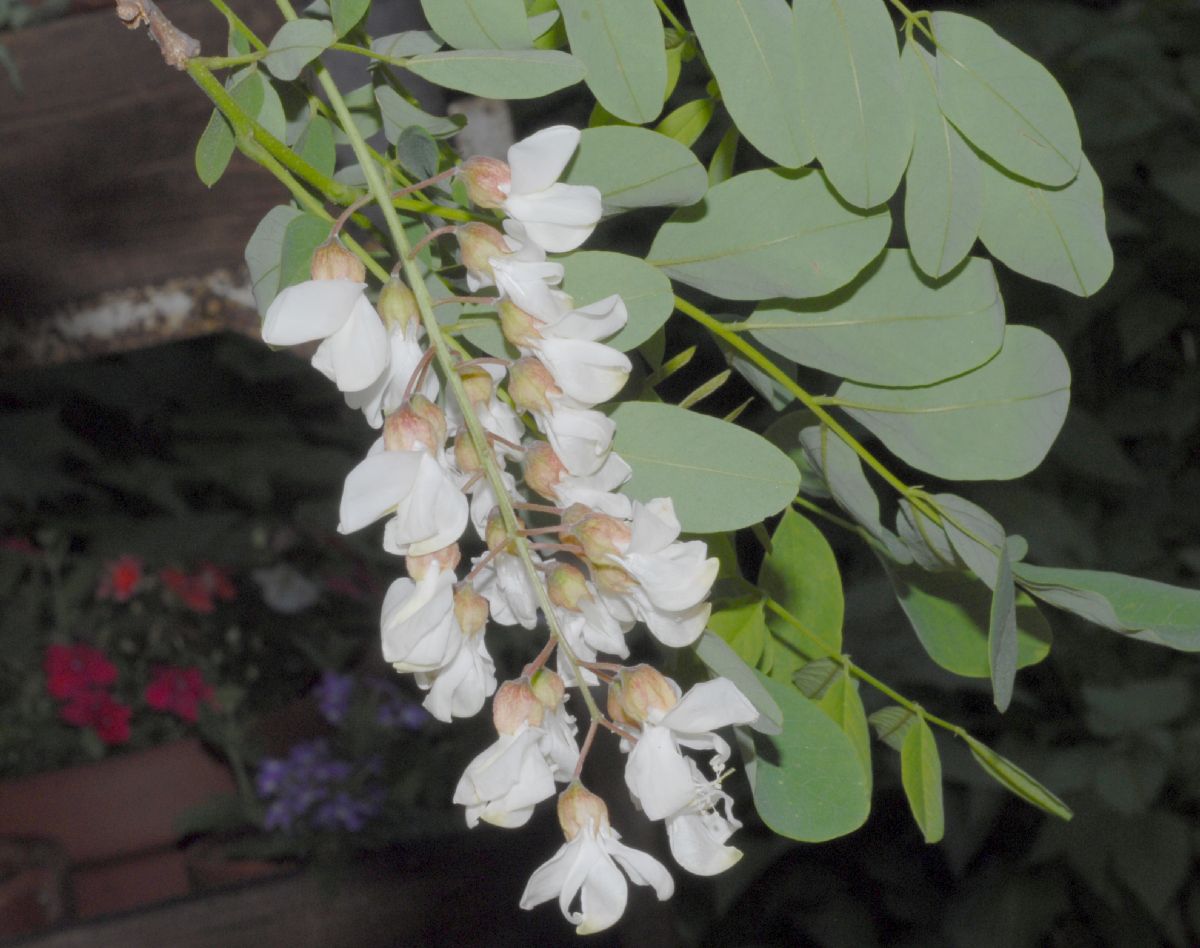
{"x": 199, "y": 590}
{"x": 218, "y": 580}
{"x": 101, "y": 712}
{"x": 179, "y": 691}
{"x": 122, "y": 578}
{"x": 74, "y": 670}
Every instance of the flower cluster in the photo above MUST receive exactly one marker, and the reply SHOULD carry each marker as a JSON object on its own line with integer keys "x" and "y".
{"x": 179, "y": 691}
{"x": 313, "y": 789}
{"x": 557, "y": 537}
{"x": 79, "y": 676}
{"x": 201, "y": 590}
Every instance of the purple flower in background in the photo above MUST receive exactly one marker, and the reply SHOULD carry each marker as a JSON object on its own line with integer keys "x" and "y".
{"x": 395, "y": 709}
{"x": 310, "y": 783}
{"x": 333, "y": 693}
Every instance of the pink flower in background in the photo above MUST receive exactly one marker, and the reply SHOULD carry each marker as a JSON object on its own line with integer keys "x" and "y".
{"x": 74, "y": 670}
{"x": 178, "y": 691}
{"x": 121, "y": 578}
{"x": 101, "y": 712}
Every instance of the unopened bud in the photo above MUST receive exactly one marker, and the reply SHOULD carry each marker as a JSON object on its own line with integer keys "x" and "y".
{"x": 397, "y": 305}
{"x": 465, "y": 455}
{"x": 487, "y": 180}
{"x": 332, "y": 261}
{"x": 471, "y": 610}
{"x": 612, "y": 579}
{"x": 516, "y": 704}
{"x": 406, "y": 430}
{"x": 567, "y": 587}
{"x": 446, "y": 559}
{"x": 579, "y": 808}
{"x": 637, "y": 694}
{"x": 542, "y": 469}
{"x": 519, "y": 327}
{"x": 478, "y": 245}
{"x": 530, "y": 385}
{"x": 431, "y": 414}
{"x": 549, "y": 688}
{"x": 477, "y": 384}
{"x": 599, "y": 534}
{"x": 495, "y": 535}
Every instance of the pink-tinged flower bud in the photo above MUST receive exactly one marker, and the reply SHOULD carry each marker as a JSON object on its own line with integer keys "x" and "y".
{"x": 520, "y": 328}
{"x": 477, "y": 384}
{"x": 397, "y": 305}
{"x": 530, "y": 384}
{"x": 567, "y": 587}
{"x": 542, "y": 468}
{"x": 516, "y": 704}
{"x": 487, "y": 180}
{"x": 638, "y": 691}
{"x": 332, "y": 261}
{"x": 579, "y": 808}
{"x": 431, "y": 414}
{"x": 446, "y": 559}
{"x": 471, "y": 611}
{"x": 478, "y": 245}
{"x": 406, "y": 430}
{"x": 495, "y": 535}
{"x": 599, "y": 534}
{"x": 465, "y": 455}
{"x": 549, "y": 687}
{"x": 612, "y": 579}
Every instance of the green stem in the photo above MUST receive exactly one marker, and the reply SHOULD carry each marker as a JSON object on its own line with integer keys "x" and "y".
{"x": 370, "y": 54}
{"x": 227, "y": 62}
{"x": 236, "y": 23}
{"x": 445, "y": 361}
{"x": 812, "y": 403}
{"x": 912, "y": 19}
{"x": 671, "y": 17}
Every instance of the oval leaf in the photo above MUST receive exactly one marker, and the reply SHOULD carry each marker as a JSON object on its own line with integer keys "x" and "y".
{"x": 769, "y": 233}
{"x": 749, "y": 48}
{"x": 620, "y": 42}
{"x": 721, "y": 477}
{"x": 347, "y": 13}
{"x": 398, "y": 114}
{"x": 801, "y": 574}
{"x": 808, "y": 782}
{"x": 1002, "y": 634}
{"x": 995, "y": 423}
{"x": 943, "y": 196}
{"x": 921, "y": 774}
{"x": 297, "y": 43}
{"x": 1016, "y": 780}
{"x": 479, "y": 24}
{"x": 635, "y": 167}
{"x": 500, "y": 74}
{"x": 591, "y": 275}
{"x": 688, "y": 122}
{"x": 844, "y": 706}
{"x": 263, "y": 253}
{"x": 850, "y": 64}
{"x": 1056, "y": 236}
{"x": 892, "y": 325}
{"x": 1005, "y": 102}
{"x": 724, "y": 661}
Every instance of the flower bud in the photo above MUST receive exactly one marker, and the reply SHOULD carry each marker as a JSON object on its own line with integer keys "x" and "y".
{"x": 446, "y": 559}
{"x": 478, "y": 245}
{"x": 477, "y": 384}
{"x": 567, "y": 586}
{"x": 542, "y": 469}
{"x": 519, "y": 327}
{"x": 487, "y": 180}
{"x": 471, "y": 611}
{"x": 516, "y": 704}
{"x": 465, "y": 455}
{"x": 638, "y": 692}
{"x": 530, "y": 384}
{"x": 579, "y": 808}
{"x": 549, "y": 688}
{"x": 612, "y": 579}
{"x": 430, "y": 413}
{"x": 407, "y": 430}
{"x": 397, "y": 305}
{"x": 495, "y": 535}
{"x": 599, "y": 534}
{"x": 332, "y": 261}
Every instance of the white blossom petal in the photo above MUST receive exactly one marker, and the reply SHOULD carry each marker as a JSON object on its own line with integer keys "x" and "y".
{"x": 420, "y": 632}
{"x": 375, "y": 486}
{"x": 310, "y": 310}
{"x": 657, "y": 774}
{"x": 460, "y": 689}
{"x": 560, "y": 218}
{"x": 432, "y": 515}
{"x": 536, "y": 162}
{"x": 356, "y": 355}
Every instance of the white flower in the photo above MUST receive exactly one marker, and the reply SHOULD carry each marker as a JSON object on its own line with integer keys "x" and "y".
{"x": 589, "y": 631}
{"x": 460, "y": 689}
{"x": 581, "y": 438}
{"x": 354, "y": 353}
{"x": 430, "y": 511}
{"x": 558, "y": 743}
{"x": 420, "y": 631}
{"x": 503, "y": 784}
{"x": 527, "y": 283}
{"x": 387, "y": 393}
{"x": 596, "y": 490}
{"x": 587, "y": 372}
{"x": 557, "y": 217}
{"x": 697, "y": 833}
{"x": 505, "y": 585}
{"x": 586, "y": 868}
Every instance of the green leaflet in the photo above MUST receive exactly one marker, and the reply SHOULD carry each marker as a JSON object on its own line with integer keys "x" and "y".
{"x": 620, "y": 42}
{"x": 346, "y": 14}
{"x": 742, "y": 626}
{"x": 316, "y": 145}
{"x": 892, "y": 724}
{"x": 921, "y": 774}
{"x": 263, "y": 253}
{"x": 892, "y": 325}
{"x": 398, "y": 114}
{"x": 860, "y": 123}
{"x": 217, "y": 144}
{"x": 1015, "y": 780}
{"x": 808, "y": 782}
{"x": 1002, "y": 633}
{"x": 765, "y": 234}
{"x": 841, "y": 701}
{"x": 801, "y": 574}
{"x": 688, "y": 122}
{"x": 749, "y": 47}
{"x": 994, "y": 423}
{"x": 302, "y": 236}
{"x": 1141, "y": 608}
{"x": 1005, "y": 102}
{"x": 408, "y": 43}
{"x": 500, "y": 74}
{"x": 976, "y": 536}
{"x": 297, "y": 43}
{"x": 950, "y": 612}
{"x": 479, "y": 24}
{"x": 592, "y": 275}
{"x": 943, "y": 197}
{"x": 723, "y": 661}
{"x": 635, "y": 167}
{"x": 720, "y": 476}
{"x": 1056, "y": 236}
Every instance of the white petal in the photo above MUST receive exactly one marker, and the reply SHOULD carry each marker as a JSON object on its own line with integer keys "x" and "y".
{"x": 602, "y": 899}
{"x": 310, "y": 310}
{"x": 678, "y": 578}
{"x": 460, "y": 689}
{"x": 547, "y": 880}
{"x": 432, "y": 515}
{"x": 355, "y": 356}
{"x": 588, "y": 372}
{"x": 654, "y": 526}
{"x": 697, "y": 847}
{"x": 580, "y": 437}
{"x": 643, "y": 868}
{"x": 559, "y": 218}
{"x": 420, "y": 632}
{"x": 376, "y": 485}
{"x": 593, "y": 322}
{"x": 677, "y": 629}
{"x": 657, "y": 774}
{"x": 537, "y": 161}
{"x": 708, "y": 706}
